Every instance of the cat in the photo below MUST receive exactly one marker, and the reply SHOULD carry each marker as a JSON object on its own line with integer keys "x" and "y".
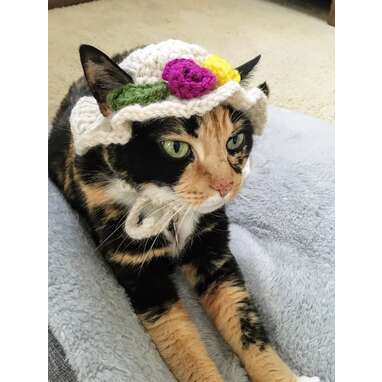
{"x": 194, "y": 166}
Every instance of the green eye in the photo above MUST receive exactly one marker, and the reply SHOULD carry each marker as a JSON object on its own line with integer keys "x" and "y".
{"x": 176, "y": 149}
{"x": 235, "y": 142}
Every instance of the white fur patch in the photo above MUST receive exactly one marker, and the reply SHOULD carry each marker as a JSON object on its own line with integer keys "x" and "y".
{"x": 149, "y": 199}
{"x": 185, "y": 219}
{"x": 184, "y": 228}
{"x": 211, "y": 204}
{"x": 159, "y": 195}
{"x": 122, "y": 192}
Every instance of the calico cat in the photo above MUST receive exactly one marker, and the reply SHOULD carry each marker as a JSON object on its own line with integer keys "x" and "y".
{"x": 193, "y": 166}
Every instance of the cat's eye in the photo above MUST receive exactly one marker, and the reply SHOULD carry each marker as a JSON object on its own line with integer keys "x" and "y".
{"x": 176, "y": 149}
{"x": 236, "y": 142}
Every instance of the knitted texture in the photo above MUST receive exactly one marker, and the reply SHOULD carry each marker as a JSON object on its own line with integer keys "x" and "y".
{"x": 186, "y": 79}
{"x": 146, "y": 66}
{"x": 253, "y": 101}
{"x": 137, "y": 94}
{"x": 90, "y": 128}
{"x": 221, "y": 68}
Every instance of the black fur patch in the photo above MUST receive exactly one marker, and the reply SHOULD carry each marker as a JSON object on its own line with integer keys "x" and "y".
{"x": 151, "y": 290}
{"x": 143, "y": 158}
{"x": 252, "y": 332}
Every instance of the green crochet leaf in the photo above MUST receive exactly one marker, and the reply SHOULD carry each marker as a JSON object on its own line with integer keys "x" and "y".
{"x": 131, "y": 94}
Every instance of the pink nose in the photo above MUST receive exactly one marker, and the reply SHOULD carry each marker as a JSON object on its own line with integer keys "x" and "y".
{"x": 222, "y": 186}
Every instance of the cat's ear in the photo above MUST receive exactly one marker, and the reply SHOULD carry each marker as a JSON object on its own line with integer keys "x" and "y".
{"x": 246, "y": 70}
{"x": 265, "y": 88}
{"x": 102, "y": 74}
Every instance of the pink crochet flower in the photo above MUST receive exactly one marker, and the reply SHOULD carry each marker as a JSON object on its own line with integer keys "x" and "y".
{"x": 186, "y": 79}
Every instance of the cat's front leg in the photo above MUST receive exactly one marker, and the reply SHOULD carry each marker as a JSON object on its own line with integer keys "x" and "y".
{"x": 155, "y": 300}
{"x": 144, "y": 269}
{"x": 215, "y": 275}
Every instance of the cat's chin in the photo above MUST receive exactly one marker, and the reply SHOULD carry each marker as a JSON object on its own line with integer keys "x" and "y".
{"x": 211, "y": 204}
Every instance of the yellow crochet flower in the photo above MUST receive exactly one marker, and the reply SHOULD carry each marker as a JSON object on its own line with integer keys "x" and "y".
{"x": 222, "y": 69}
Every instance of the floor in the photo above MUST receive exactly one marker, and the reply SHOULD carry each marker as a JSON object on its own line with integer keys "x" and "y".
{"x": 296, "y": 43}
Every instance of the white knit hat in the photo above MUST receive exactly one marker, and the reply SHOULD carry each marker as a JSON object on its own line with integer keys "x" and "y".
{"x": 90, "y": 128}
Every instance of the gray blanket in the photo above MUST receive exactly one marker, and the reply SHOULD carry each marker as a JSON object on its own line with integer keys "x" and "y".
{"x": 282, "y": 235}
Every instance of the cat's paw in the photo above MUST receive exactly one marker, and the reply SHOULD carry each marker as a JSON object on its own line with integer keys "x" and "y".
{"x": 308, "y": 379}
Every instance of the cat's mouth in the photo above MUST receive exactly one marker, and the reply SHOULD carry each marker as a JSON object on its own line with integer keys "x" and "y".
{"x": 211, "y": 204}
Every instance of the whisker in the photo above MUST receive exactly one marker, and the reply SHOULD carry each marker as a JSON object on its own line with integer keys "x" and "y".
{"x": 161, "y": 208}
{"x": 184, "y": 216}
{"x": 157, "y": 236}
{"x": 244, "y": 197}
{"x": 119, "y": 225}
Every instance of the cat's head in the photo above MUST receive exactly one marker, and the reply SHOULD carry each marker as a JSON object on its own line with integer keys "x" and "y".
{"x": 200, "y": 161}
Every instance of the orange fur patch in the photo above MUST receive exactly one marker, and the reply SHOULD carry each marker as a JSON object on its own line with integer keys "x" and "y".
{"x": 69, "y": 163}
{"x": 95, "y": 195}
{"x": 124, "y": 258}
{"x": 265, "y": 365}
{"x": 179, "y": 344}
{"x": 222, "y": 304}
{"x": 212, "y": 159}
{"x": 112, "y": 212}
{"x": 190, "y": 273}
{"x": 96, "y": 72}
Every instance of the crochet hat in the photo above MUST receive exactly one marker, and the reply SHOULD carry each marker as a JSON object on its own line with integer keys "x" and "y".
{"x": 168, "y": 79}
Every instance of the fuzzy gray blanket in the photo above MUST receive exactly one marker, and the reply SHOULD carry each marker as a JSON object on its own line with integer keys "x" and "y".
{"x": 282, "y": 236}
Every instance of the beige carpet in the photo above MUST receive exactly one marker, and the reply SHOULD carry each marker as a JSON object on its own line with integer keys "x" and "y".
{"x": 296, "y": 43}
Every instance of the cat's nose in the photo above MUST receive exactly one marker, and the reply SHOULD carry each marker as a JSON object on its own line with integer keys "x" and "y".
{"x": 222, "y": 186}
